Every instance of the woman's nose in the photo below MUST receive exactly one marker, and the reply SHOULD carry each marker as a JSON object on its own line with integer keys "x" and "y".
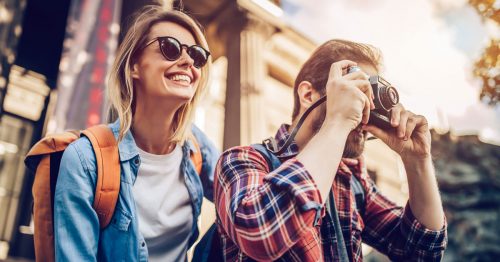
{"x": 185, "y": 59}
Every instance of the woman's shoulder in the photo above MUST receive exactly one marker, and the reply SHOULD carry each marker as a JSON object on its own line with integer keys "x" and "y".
{"x": 204, "y": 142}
{"x": 81, "y": 152}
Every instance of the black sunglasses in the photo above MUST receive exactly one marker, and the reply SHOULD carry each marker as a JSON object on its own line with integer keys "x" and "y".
{"x": 171, "y": 49}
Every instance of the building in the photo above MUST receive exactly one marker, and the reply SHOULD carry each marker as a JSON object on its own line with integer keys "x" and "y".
{"x": 31, "y": 35}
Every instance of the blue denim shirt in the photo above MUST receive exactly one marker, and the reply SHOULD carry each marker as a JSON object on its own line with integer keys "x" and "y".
{"x": 76, "y": 226}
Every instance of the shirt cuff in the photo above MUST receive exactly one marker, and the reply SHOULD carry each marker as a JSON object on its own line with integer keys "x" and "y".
{"x": 294, "y": 178}
{"x": 422, "y": 237}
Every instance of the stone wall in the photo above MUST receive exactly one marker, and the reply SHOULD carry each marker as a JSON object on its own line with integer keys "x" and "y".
{"x": 468, "y": 173}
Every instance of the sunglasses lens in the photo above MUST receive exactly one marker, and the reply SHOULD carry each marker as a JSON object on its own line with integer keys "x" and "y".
{"x": 199, "y": 55}
{"x": 171, "y": 49}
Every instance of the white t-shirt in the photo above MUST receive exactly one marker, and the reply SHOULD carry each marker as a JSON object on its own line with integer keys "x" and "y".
{"x": 163, "y": 205}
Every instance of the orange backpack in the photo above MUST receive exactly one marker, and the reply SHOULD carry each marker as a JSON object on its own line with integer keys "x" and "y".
{"x": 44, "y": 159}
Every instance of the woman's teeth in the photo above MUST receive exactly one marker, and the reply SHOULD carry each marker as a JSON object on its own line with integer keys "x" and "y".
{"x": 180, "y": 78}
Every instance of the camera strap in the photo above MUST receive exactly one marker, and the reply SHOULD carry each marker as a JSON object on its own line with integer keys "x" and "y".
{"x": 270, "y": 143}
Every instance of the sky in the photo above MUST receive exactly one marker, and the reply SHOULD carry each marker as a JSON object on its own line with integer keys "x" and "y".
{"x": 428, "y": 48}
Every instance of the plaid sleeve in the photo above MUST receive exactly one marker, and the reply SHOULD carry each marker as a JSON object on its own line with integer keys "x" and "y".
{"x": 394, "y": 231}
{"x": 264, "y": 213}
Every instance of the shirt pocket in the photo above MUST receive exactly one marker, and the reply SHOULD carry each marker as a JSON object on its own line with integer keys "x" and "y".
{"x": 121, "y": 219}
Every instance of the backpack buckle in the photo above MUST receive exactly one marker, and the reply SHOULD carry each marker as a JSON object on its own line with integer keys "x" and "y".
{"x": 270, "y": 144}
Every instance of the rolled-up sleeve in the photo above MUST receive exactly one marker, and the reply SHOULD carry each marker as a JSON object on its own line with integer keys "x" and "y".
{"x": 428, "y": 244}
{"x": 264, "y": 212}
{"x": 394, "y": 230}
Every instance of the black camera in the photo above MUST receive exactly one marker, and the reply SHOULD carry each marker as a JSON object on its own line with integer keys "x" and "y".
{"x": 385, "y": 98}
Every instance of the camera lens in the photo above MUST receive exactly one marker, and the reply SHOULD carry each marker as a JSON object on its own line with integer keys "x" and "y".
{"x": 389, "y": 97}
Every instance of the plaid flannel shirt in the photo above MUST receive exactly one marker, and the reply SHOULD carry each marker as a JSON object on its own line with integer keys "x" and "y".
{"x": 278, "y": 215}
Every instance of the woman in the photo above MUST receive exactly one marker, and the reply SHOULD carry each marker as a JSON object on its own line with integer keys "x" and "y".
{"x": 158, "y": 76}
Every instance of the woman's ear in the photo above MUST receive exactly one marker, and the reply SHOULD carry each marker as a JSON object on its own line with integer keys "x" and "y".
{"x": 135, "y": 71}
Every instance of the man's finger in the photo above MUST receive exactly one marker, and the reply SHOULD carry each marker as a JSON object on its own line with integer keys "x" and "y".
{"x": 337, "y": 67}
{"x": 421, "y": 123}
{"x": 396, "y": 114}
{"x": 366, "y": 88}
{"x": 403, "y": 119}
{"x": 366, "y": 111}
{"x": 359, "y": 75}
{"x": 410, "y": 125}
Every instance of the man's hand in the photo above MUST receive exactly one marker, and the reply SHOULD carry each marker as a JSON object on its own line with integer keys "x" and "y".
{"x": 410, "y": 137}
{"x": 349, "y": 97}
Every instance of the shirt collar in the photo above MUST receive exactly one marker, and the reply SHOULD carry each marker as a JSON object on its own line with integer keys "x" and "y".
{"x": 281, "y": 137}
{"x": 189, "y": 143}
{"x": 128, "y": 148}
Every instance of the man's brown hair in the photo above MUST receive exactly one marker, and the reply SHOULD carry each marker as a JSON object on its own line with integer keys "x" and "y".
{"x": 316, "y": 69}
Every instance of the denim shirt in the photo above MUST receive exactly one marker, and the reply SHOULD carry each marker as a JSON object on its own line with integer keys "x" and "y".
{"x": 76, "y": 225}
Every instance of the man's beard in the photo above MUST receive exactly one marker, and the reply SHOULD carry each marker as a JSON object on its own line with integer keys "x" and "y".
{"x": 355, "y": 142}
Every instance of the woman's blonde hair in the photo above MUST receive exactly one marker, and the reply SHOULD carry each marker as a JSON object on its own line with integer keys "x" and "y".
{"x": 120, "y": 90}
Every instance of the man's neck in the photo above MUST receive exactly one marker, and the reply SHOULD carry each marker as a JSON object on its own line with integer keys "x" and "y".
{"x": 303, "y": 135}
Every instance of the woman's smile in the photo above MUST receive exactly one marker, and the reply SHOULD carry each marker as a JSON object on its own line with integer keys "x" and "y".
{"x": 180, "y": 79}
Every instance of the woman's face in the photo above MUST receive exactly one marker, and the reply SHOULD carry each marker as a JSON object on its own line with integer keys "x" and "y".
{"x": 156, "y": 78}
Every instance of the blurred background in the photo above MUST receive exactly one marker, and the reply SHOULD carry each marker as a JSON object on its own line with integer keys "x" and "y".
{"x": 443, "y": 56}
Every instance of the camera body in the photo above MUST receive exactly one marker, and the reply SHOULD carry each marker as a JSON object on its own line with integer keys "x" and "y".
{"x": 385, "y": 98}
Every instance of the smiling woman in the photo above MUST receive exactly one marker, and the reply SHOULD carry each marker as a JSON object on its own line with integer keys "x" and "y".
{"x": 138, "y": 44}
{"x": 157, "y": 79}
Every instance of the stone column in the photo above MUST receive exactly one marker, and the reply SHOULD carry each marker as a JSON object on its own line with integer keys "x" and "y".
{"x": 246, "y": 40}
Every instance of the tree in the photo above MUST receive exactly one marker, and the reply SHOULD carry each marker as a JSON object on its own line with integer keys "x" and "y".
{"x": 487, "y": 68}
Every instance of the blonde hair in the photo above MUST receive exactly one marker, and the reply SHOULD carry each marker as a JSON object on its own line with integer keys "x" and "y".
{"x": 120, "y": 90}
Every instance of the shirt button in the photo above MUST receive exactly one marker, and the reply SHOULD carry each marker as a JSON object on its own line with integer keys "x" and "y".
{"x": 143, "y": 244}
{"x": 137, "y": 161}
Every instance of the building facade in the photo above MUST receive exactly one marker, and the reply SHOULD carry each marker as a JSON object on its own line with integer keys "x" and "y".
{"x": 256, "y": 58}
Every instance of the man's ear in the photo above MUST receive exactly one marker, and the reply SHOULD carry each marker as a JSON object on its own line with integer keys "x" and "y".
{"x": 307, "y": 94}
{"x": 135, "y": 71}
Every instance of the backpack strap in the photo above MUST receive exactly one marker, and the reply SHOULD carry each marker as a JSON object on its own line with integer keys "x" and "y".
{"x": 359, "y": 194}
{"x": 273, "y": 162}
{"x": 209, "y": 248}
{"x": 196, "y": 157}
{"x": 108, "y": 171}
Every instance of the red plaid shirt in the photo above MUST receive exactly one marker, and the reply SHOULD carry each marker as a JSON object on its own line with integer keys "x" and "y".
{"x": 278, "y": 215}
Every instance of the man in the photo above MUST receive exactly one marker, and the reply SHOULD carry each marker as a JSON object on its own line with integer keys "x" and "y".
{"x": 280, "y": 214}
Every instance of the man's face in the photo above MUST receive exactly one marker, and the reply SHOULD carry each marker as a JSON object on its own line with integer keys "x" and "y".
{"x": 355, "y": 142}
